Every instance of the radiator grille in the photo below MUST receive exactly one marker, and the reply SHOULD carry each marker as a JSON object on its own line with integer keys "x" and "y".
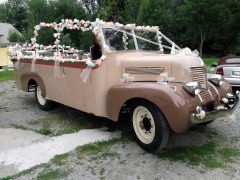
{"x": 205, "y": 96}
{"x": 213, "y": 92}
{"x": 199, "y": 75}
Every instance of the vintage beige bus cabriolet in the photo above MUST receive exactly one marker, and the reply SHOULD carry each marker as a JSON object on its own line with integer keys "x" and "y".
{"x": 165, "y": 87}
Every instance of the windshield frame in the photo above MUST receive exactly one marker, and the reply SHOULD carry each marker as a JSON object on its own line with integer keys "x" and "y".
{"x": 133, "y": 29}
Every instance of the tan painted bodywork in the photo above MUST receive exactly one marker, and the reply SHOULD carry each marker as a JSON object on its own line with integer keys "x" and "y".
{"x": 103, "y": 94}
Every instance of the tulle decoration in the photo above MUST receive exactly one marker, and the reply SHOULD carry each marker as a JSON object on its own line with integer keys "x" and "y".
{"x": 85, "y": 74}
{"x": 17, "y": 64}
{"x": 57, "y": 70}
{"x": 33, "y": 64}
{"x": 173, "y": 50}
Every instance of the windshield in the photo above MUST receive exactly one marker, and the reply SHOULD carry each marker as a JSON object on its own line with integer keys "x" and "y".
{"x": 120, "y": 39}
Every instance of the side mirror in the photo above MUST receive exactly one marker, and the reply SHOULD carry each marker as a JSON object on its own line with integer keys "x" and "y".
{"x": 213, "y": 65}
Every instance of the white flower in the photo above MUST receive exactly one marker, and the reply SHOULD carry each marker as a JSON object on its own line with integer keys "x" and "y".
{"x": 57, "y": 42}
{"x": 33, "y": 40}
{"x": 76, "y": 21}
{"x": 55, "y": 35}
{"x": 37, "y": 27}
{"x": 42, "y": 24}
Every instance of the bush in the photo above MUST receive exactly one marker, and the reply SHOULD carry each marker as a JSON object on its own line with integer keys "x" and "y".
{"x": 14, "y": 36}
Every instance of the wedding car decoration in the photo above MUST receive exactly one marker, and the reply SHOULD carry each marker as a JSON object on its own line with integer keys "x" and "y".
{"x": 129, "y": 69}
{"x": 34, "y": 51}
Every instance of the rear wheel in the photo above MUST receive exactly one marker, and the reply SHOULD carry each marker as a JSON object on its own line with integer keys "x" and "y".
{"x": 150, "y": 126}
{"x": 43, "y": 103}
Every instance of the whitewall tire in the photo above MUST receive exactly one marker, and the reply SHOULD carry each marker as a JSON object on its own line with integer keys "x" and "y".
{"x": 43, "y": 102}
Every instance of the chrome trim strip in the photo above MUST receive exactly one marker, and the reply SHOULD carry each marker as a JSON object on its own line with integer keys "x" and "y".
{"x": 145, "y": 70}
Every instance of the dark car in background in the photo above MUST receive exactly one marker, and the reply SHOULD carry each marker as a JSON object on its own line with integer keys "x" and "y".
{"x": 229, "y": 68}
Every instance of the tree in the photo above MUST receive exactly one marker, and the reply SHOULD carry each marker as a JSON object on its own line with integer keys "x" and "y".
{"x": 38, "y": 11}
{"x": 113, "y": 11}
{"x": 14, "y": 36}
{"x": 15, "y": 12}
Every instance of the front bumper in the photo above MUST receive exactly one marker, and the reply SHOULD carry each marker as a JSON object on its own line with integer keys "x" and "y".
{"x": 222, "y": 110}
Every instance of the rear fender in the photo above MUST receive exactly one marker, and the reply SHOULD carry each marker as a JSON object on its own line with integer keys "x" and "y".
{"x": 32, "y": 76}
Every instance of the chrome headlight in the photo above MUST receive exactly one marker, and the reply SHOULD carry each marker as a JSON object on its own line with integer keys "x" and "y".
{"x": 217, "y": 80}
{"x": 193, "y": 88}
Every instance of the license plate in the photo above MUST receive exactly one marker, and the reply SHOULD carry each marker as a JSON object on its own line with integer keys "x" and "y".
{"x": 236, "y": 73}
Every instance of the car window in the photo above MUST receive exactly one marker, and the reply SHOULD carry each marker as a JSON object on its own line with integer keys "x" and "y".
{"x": 233, "y": 60}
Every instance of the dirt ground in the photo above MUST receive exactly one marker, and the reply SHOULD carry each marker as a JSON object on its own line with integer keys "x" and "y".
{"x": 203, "y": 152}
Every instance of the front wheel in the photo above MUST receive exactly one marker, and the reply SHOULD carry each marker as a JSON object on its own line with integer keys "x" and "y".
{"x": 150, "y": 126}
{"x": 43, "y": 103}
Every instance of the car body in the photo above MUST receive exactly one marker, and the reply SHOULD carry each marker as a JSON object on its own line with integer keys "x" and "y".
{"x": 229, "y": 67}
{"x": 161, "y": 91}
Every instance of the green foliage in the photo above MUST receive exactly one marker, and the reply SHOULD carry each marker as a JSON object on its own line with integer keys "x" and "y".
{"x": 45, "y": 36}
{"x": 211, "y": 60}
{"x": 14, "y": 36}
{"x": 15, "y": 12}
{"x": 66, "y": 40}
{"x": 208, "y": 25}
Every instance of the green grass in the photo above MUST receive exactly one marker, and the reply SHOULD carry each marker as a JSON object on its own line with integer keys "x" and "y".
{"x": 209, "y": 61}
{"x": 2, "y": 93}
{"x": 56, "y": 125}
{"x": 52, "y": 174}
{"x": 45, "y": 131}
{"x": 97, "y": 150}
{"x": 5, "y": 178}
{"x": 102, "y": 171}
{"x": 17, "y": 126}
{"x": 211, "y": 155}
{"x": 6, "y": 75}
{"x": 4, "y": 109}
{"x": 60, "y": 159}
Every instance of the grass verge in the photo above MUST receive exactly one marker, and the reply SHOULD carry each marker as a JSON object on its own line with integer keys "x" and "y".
{"x": 211, "y": 155}
{"x": 60, "y": 159}
{"x": 6, "y": 75}
{"x": 56, "y": 125}
{"x": 52, "y": 174}
{"x": 98, "y": 149}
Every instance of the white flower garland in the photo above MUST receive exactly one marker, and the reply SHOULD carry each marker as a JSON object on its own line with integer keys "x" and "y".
{"x": 16, "y": 52}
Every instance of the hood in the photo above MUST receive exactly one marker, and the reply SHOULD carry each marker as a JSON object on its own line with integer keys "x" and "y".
{"x": 153, "y": 66}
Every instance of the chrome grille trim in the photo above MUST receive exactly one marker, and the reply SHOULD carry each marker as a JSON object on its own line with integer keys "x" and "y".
{"x": 199, "y": 75}
{"x": 209, "y": 94}
{"x": 205, "y": 95}
{"x": 200, "y": 98}
{"x": 213, "y": 90}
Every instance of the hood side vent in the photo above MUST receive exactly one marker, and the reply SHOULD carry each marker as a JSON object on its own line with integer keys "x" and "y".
{"x": 145, "y": 70}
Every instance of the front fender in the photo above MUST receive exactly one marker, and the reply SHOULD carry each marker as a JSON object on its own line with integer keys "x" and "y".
{"x": 175, "y": 105}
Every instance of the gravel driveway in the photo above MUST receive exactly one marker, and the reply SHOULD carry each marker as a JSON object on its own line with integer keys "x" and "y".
{"x": 203, "y": 152}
